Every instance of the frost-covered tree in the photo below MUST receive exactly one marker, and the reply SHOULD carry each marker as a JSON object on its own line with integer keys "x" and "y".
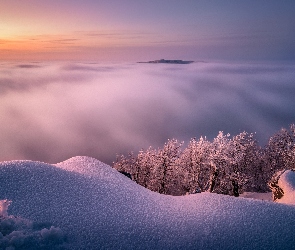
{"x": 245, "y": 163}
{"x": 235, "y": 164}
{"x": 226, "y": 165}
{"x": 194, "y": 162}
{"x": 280, "y": 151}
{"x": 154, "y": 169}
{"x": 166, "y": 160}
{"x": 220, "y": 163}
{"x": 126, "y": 164}
{"x": 145, "y": 164}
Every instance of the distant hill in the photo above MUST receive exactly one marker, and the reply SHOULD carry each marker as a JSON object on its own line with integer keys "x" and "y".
{"x": 169, "y": 61}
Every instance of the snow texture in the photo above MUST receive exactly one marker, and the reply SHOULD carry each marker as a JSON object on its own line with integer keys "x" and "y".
{"x": 287, "y": 183}
{"x": 259, "y": 196}
{"x": 96, "y": 207}
{"x": 19, "y": 233}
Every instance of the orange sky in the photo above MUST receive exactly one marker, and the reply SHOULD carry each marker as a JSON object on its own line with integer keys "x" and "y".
{"x": 139, "y": 30}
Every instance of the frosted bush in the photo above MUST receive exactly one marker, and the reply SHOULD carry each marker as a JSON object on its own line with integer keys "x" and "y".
{"x": 4, "y": 204}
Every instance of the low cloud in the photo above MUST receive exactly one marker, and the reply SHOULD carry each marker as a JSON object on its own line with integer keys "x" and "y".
{"x": 55, "y": 111}
{"x": 88, "y": 67}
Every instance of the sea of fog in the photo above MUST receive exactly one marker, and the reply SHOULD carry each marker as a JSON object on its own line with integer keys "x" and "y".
{"x": 52, "y": 111}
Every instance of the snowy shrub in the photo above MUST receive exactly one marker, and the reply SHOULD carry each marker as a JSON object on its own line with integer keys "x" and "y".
{"x": 19, "y": 233}
{"x": 3, "y": 207}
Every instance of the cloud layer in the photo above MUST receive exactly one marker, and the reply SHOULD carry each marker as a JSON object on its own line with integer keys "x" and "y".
{"x": 53, "y": 111}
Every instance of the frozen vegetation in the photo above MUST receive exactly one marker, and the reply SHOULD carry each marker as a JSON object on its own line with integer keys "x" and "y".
{"x": 83, "y": 203}
{"x": 228, "y": 165}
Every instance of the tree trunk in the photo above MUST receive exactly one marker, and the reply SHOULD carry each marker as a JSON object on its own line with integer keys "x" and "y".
{"x": 213, "y": 180}
{"x": 235, "y": 188}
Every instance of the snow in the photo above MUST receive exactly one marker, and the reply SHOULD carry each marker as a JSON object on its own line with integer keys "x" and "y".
{"x": 83, "y": 203}
{"x": 19, "y": 233}
{"x": 259, "y": 196}
{"x": 287, "y": 183}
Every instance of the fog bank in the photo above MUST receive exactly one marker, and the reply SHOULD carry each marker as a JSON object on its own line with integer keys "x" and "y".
{"x": 53, "y": 111}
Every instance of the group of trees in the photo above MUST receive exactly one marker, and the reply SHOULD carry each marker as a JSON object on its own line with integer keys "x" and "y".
{"x": 226, "y": 165}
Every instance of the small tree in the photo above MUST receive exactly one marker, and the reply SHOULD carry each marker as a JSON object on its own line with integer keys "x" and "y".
{"x": 232, "y": 163}
{"x": 245, "y": 162}
{"x": 145, "y": 164}
{"x": 220, "y": 161}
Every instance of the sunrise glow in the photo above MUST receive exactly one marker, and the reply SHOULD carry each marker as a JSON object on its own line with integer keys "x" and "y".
{"x": 100, "y": 30}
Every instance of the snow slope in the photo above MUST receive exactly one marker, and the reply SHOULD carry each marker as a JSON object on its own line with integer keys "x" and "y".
{"x": 98, "y": 208}
{"x": 258, "y": 196}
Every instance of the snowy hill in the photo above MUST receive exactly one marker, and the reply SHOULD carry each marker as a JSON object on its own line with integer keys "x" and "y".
{"x": 95, "y": 207}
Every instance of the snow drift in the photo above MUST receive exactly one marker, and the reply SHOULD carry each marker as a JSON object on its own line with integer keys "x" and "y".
{"x": 96, "y": 207}
{"x": 287, "y": 183}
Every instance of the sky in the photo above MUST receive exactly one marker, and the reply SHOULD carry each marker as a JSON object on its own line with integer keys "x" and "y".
{"x": 133, "y": 30}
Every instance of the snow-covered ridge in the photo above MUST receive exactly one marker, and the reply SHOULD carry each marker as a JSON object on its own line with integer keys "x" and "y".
{"x": 87, "y": 166}
{"x": 98, "y": 208}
